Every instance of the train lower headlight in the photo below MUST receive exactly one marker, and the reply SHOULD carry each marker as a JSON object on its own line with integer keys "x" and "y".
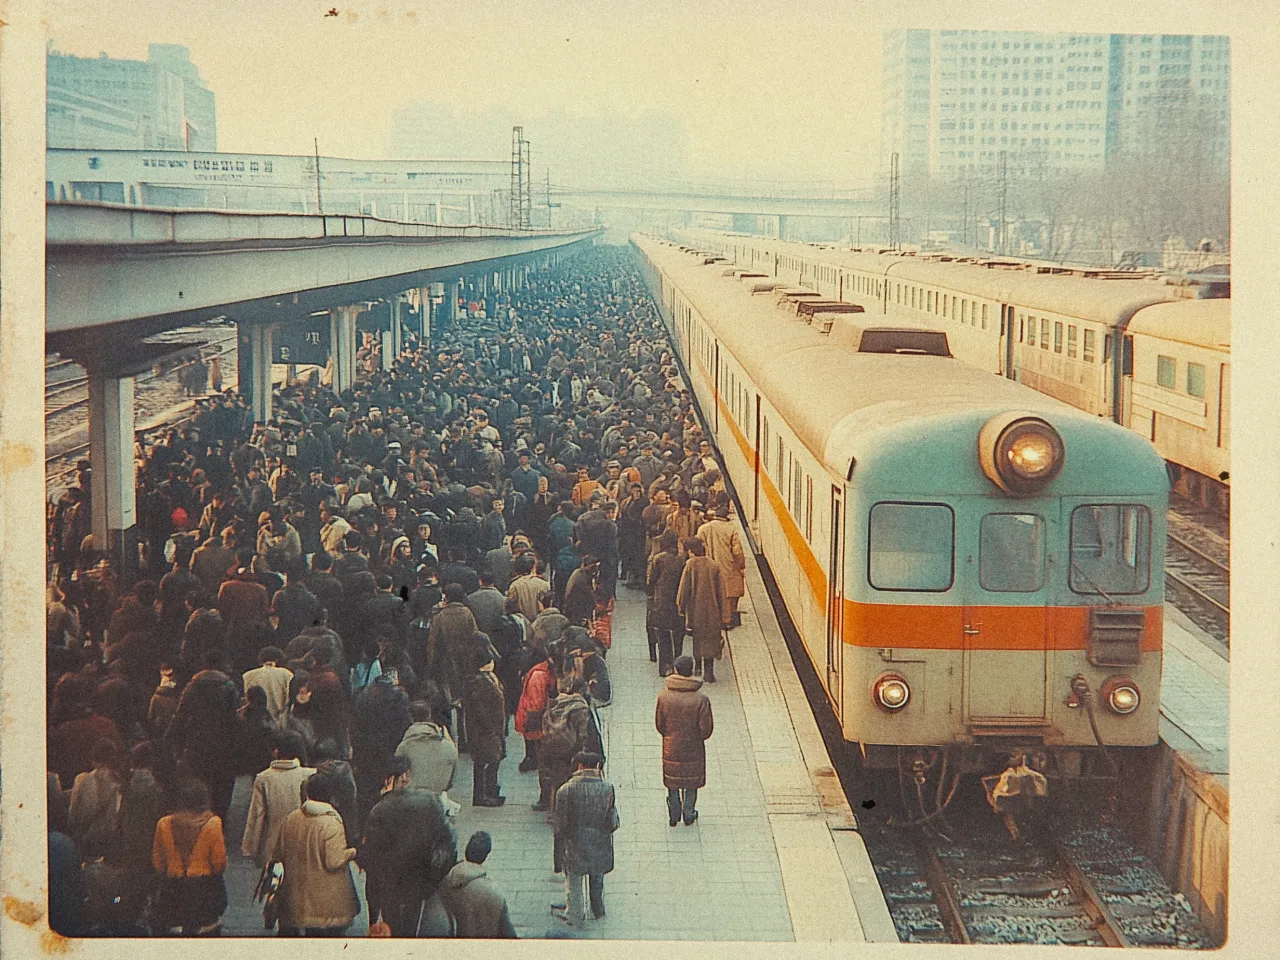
{"x": 1020, "y": 453}
{"x": 1121, "y": 695}
{"x": 891, "y": 692}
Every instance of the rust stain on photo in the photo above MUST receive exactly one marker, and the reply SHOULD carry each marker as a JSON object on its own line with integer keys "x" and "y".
{"x": 23, "y": 911}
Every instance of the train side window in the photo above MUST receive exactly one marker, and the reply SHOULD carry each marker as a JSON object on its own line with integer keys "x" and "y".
{"x": 1044, "y": 334}
{"x": 1031, "y": 331}
{"x": 764, "y": 443}
{"x": 1110, "y": 549}
{"x": 1195, "y": 380}
{"x": 1011, "y": 553}
{"x": 1090, "y": 345}
{"x": 984, "y": 320}
{"x": 911, "y": 546}
{"x": 1071, "y": 341}
{"x": 1022, "y": 330}
{"x": 808, "y": 509}
{"x": 945, "y": 301}
{"x": 1167, "y": 372}
{"x": 929, "y": 308}
{"x": 964, "y": 311}
{"x": 1057, "y": 337}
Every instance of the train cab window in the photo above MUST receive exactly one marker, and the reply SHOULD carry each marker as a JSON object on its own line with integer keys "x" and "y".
{"x": 1071, "y": 341}
{"x": 1167, "y": 372}
{"x": 1195, "y": 380}
{"x": 1044, "y": 335}
{"x": 1110, "y": 549}
{"x": 1090, "y": 346}
{"x": 911, "y": 547}
{"x": 1011, "y": 553}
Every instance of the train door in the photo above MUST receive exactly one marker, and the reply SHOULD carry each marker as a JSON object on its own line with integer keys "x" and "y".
{"x": 1006, "y": 623}
{"x": 835, "y": 603}
{"x": 715, "y": 390}
{"x": 755, "y": 469}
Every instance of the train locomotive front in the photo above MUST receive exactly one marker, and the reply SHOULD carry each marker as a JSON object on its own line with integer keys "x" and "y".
{"x": 974, "y": 569}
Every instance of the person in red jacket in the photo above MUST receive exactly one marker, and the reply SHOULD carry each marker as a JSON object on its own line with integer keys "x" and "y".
{"x": 539, "y": 685}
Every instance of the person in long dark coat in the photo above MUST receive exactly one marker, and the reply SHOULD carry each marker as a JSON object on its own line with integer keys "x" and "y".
{"x": 683, "y": 717}
{"x": 203, "y": 733}
{"x": 701, "y": 602}
{"x": 585, "y": 819}
{"x": 484, "y": 712}
{"x": 664, "y": 621}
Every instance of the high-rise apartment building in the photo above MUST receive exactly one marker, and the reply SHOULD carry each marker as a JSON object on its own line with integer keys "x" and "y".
{"x": 1052, "y": 103}
{"x": 159, "y": 103}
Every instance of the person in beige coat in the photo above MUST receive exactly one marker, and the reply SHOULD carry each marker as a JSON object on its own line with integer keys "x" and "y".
{"x": 318, "y": 896}
{"x": 700, "y": 600}
{"x": 724, "y": 546}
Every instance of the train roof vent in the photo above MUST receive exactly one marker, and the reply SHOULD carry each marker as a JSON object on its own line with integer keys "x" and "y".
{"x": 761, "y": 286}
{"x": 811, "y": 308}
{"x": 930, "y": 343}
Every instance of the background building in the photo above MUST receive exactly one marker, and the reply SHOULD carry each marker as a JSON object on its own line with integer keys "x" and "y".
{"x": 159, "y": 103}
{"x": 1052, "y": 103}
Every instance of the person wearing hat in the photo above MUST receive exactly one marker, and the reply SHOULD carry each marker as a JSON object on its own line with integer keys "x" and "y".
{"x": 484, "y": 714}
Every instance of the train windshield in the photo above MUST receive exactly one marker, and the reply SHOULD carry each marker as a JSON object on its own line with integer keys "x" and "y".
{"x": 1011, "y": 553}
{"x": 1110, "y": 549}
{"x": 911, "y": 547}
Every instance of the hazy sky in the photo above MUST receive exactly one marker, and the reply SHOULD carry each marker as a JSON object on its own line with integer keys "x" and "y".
{"x": 778, "y": 91}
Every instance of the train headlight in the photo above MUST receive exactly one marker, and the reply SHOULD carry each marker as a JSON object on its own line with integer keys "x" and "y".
{"x": 891, "y": 692}
{"x": 1121, "y": 695}
{"x": 1019, "y": 452}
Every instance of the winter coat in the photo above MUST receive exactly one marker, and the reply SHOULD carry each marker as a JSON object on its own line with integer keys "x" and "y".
{"x": 585, "y": 819}
{"x": 478, "y": 909}
{"x": 580, "y": 597}
{"x": 701, "y": 602}
{"x": 318, "y": 890}
{"x": 189, "y": 844}
{"x": 95, "y": 808}
{"x": 662, "y": 584}
{"x": 274, "y": 682}
{"x": 683, "y": 717}
{"x": 379, "y": 718}
{"x": 484, "y": 713}
{"x": 433, "y": 756}
{"x": 277, "y": 792}
{"x": 539, "y": 685}
{"x": 724, "y": 546}
{"x": 526, "y": 590}
{"x": 486, "y": 605}
{"x": 408, "y": 849}
{"x": 452, "y": 624}
{"x": 206, "y": 725}
{"x": 555, "y": 755}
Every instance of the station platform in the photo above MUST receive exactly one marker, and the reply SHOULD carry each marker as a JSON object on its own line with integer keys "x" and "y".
{"x": 773, "y": 856}
{"x": 1195, "y": 692}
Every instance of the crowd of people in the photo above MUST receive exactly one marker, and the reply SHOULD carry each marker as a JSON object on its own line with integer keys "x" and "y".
{"x": 342, "y": 601}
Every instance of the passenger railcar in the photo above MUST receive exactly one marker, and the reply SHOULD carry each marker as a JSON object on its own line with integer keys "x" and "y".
{"x": 971, "y": 566}
{"x": 1069, "y": 334}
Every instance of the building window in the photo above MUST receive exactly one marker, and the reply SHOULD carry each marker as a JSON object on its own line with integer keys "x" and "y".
{"x": 1166, "y": 372}
{"x": 1071, "y": 341}
{"x": 1089, "y": 345}
{"x": 1195, "y": 380}
{"x": 911, "y": 546}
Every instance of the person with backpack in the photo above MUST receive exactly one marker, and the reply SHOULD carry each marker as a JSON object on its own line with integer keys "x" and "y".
{"x": 567, "y": 729}
{"x": 190, "y": 855}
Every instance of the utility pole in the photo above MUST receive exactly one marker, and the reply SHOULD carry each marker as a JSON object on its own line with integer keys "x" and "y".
{"x": 517, "y": 176}
{"x": 319, "y": 204}
{"x": 895, "y": 202}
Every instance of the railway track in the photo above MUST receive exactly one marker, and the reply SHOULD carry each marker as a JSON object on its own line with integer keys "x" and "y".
{"x": 65, "y": 418}
{"x": 1079, "y": 883}
{"x": 1198, "y": 572}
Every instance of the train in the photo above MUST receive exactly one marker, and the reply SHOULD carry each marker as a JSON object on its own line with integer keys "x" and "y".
{"x": 1152, "y": 355}
{"x": 973, "y": 567}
